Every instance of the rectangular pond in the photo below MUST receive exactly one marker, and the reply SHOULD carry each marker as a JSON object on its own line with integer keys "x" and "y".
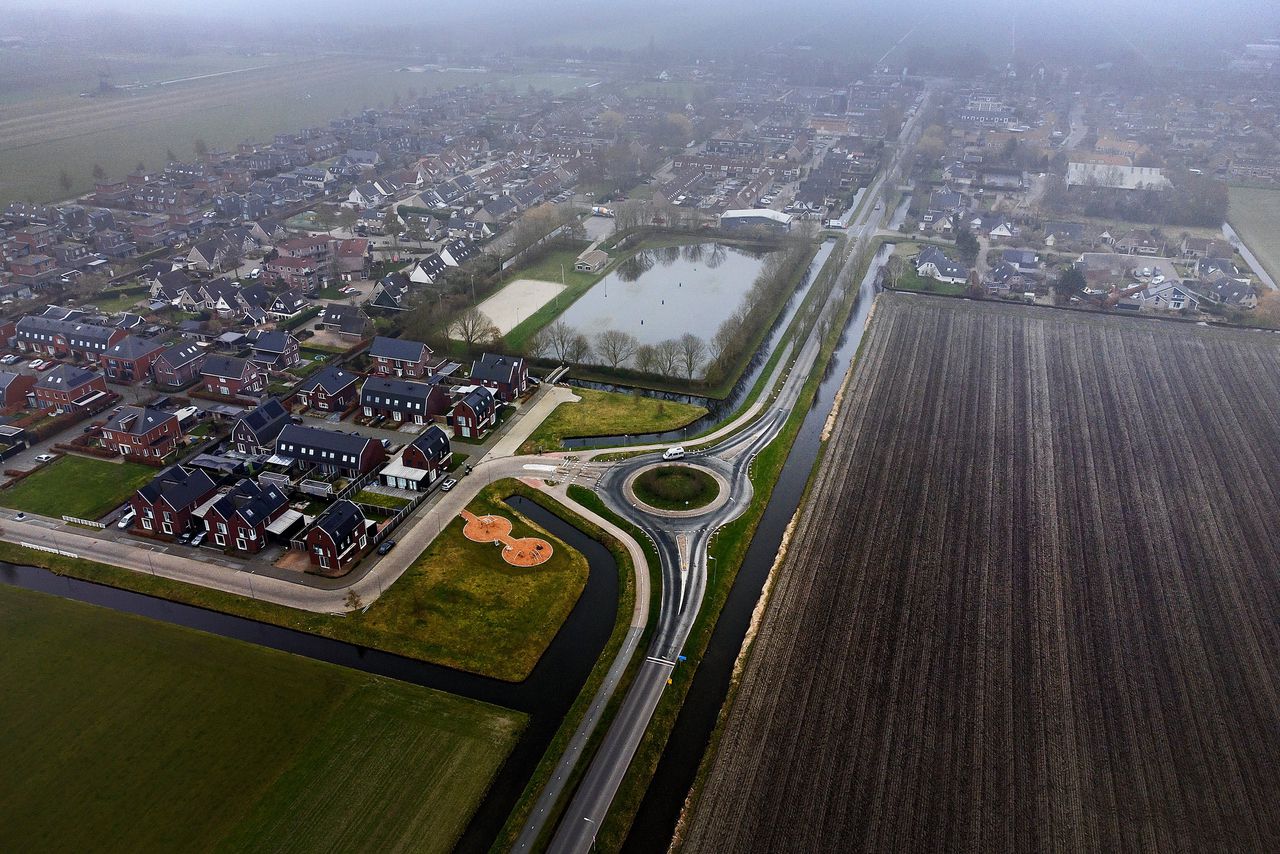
{"x": 665, "y": 292}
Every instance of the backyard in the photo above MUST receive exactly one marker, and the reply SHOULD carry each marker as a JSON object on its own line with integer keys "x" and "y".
{"x": 77, "y": 486}
{"x": 609, "y": 413}
{"x": 126, "y": 734}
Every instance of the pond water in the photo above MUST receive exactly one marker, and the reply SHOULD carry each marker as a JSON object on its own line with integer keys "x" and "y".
{"x": 665, "y": 292}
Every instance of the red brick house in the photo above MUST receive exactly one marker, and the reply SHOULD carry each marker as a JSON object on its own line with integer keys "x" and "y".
{"x": 67, "y": 387}
{"x": 238, "y": 520}
{"x": 331, "y": 389}
{"x": 164, "y": 506}
{"x": 296, "y": 273}
{"x": 139, "y": 431}
{"x": 274, "y": 349}
{"x": 332, "y": 451}
{"x": 506, "y": 376}
{"x": 228, "y": 376}
{"x": 397, "y": 357}
{"x": 14, "y": 389}
{"x": 130, "y": 359}
{"x": 474, "y": 413}
{"x": 338, "y": 538}
{"x": 179, "y": 365}
{"x": 421, "y": 463}
{"x": 62, "y": 337}
{"x": 404, "y": 400}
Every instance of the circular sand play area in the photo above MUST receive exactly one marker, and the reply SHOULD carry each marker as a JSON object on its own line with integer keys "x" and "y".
{"x": 517, "y": 551}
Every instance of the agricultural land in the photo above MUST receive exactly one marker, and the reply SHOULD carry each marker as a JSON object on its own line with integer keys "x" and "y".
{"x": 119, "y": 733}
{"x": 1254, "y": 213}
{"x": 1030, "y": 602}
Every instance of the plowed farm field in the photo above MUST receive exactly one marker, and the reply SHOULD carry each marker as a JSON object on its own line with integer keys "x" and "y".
{"x": 1031, "y": 604}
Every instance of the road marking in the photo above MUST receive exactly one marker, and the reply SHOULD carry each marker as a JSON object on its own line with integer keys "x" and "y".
{"x": 657, "y": 660}
{"x": 539, "y": 467}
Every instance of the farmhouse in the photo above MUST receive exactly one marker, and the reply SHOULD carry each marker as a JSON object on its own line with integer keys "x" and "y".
{"x": 68, "y": 388}
{"x": 338, "y": 538}
{"x": 333, "y": 452}
{"x": 400, "y": 357}
{"x": 141, "y": 431}
{"x": 933, "y": 262}
{"x": 403, "y": 400}
{"x": 256, "y": 431}
{"x": 422, "y": 462}
{"x": 164, "y": 506}
{"x": 332, "y": 389}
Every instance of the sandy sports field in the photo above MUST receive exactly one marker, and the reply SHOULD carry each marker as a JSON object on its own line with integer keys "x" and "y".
{"x": 517, "y": 302}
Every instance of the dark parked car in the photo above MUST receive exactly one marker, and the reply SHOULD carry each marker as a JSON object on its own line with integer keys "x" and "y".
{"x": 386, "y": 546}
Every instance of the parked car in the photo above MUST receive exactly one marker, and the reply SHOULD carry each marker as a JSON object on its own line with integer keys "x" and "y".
{"x": 184, "y": 537}
{"x": 45, "y": 458}
{"x": 449, "y": 484}
{"x": 9, "y": 359}
{"x": 197, "y": 540}
{"x": 387, "y": 545}
{"x": 673, "y": 453}
{"x": 126, "y": 519}
{"x": 47, "y": 366}
{"x": 35, "y": 364}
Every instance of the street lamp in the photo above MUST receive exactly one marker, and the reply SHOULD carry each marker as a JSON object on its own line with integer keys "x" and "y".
{"x": 712, "y": 559}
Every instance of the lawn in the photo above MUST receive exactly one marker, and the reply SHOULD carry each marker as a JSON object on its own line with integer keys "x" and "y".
{"x": 378, "y": 499}
{"x": 465, "y": 607}
{"x": 676, "y": 488}
{"x": 609, "y": 413}
{"x": 124, "y": 734}
{"x": 1253, "y": 215}
{"x": 77, "y": 486}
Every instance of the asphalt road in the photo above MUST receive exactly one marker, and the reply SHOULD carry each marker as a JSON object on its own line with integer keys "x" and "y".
{"x": 682, "y": 547}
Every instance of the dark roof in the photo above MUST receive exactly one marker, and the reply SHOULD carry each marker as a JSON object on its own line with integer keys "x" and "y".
{"x": 66, "y": 376}
{"x": 480, "y": 400}
{"x": 403, "y": 389}
{"x": 138, "y": 420}
{"x": 254, "y": 502}
{"x": 223, "y": 366}
{"x": 133, "y": 347}
{"x": 178, "y": 486}
{"x": 275, "y": 341}
{"x": 341, "y": 520}
{"x": 332, "y": 379}
{"x": 6, "y": 378}
{"x": 265, "y": 420}
{"x": 496, "y": 368}
{"x": 398, "y": 348}
{"x": 68, "y": 328}
{"x": 433, "y": 442}
{"x": 328, "y": 440}
{"x": 349, "y": 319}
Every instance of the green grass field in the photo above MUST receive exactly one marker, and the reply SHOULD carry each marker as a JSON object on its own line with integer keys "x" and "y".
{"x": 120, "y": 733}
{"x": 466, "y": 607}
{"x": 609, "y": 413}
{"x": 77, "y": 486}
{"x": 1253, "y": 215}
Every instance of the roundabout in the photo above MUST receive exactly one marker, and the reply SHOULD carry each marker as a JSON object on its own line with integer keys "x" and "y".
{"x": 677, "y": 490}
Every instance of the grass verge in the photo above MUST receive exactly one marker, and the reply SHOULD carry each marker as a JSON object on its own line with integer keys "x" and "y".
{"x": 147, "y": 736}
{"x": 77, "y": 486}
{"x": 608, "y": 413}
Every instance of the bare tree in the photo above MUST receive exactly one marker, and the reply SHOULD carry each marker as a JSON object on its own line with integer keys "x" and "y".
{"x": 894, "y": 269}
{"x": 536, "y": 345}
{"x": 558, "y": 336}
{"x": 472, "y": 326}
{"x": 646, "y": 358}
{"x": 579, "y": 349}
{"x": 693, "y": 350}
{"x": 666, "y": 357}
{"x": 615, "y": 346}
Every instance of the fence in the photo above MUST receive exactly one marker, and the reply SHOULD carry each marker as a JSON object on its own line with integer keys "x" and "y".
{"x": 401, "y": 515}
{"x": 76, "y": 520}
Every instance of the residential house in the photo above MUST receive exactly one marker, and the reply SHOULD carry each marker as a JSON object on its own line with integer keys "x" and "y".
{"x": 287, "y": 305}
{"x": 475, "y": 413}
{"x": 346, "y": 320}
{"x": 353, "y": 258}
{"x": 1139, "y": 242}
{"x": 228, "y": 376}
{"x": 933, "y": 262}
{"x": 428, "y": 270}
{"x": 457, "y": 252}
{"x": 164, "y": 507}
{"x": 14, "y": 389}
{"x": 179, "y": 365}
{"x": 256, "y": 431}
{"x": 331, "y": 389}
{"x": 391, "y": 293}
{"x": 506, "y": 376}
{"x": 332, "y": 451}
{"x": 68, "y": 388}
{"x": 70, "y": 337}
{"x": 338, "y": 538}
{"x": 1169, "y": 295}
{"x": 140, "y": 431}
{"x": 239, "y": 520}
{"x": 403, "y": 400}
{"x": 130, "y": 359}
{"x": 400, "y": 357}
{"x": 422, "y": 462}
{"x": 276, "y": 349}
{"x": 1024, "y": 259}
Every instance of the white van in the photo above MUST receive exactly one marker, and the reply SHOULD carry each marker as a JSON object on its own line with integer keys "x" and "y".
{"x": 673, "y": 453}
